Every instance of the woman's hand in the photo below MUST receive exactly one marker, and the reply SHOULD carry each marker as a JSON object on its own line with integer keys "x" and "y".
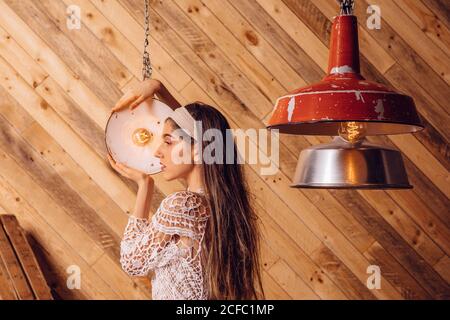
{"x": 146, "y": 186}
{"x": 137, "y": 94}
{"x": 137, "y": 176}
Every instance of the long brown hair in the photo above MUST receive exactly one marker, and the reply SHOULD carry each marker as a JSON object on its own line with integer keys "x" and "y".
{"x": 231, "y": 246}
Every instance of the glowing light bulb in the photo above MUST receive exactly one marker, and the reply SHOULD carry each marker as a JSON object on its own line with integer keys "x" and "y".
{"x": 352, "y": 131}
{"x": 141, "y": 136}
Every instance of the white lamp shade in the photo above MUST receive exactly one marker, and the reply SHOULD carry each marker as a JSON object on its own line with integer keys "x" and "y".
{"x": 132, "y": 136}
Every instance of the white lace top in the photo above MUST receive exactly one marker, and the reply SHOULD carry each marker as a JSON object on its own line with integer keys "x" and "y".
{"x": 169, "y": 245}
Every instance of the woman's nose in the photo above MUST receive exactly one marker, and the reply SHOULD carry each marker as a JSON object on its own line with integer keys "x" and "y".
{"x": 157, "y": 153}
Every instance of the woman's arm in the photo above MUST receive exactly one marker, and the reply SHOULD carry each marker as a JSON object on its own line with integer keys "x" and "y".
{"x": 166, "y": 97}
{"x": 146, "y": 186}
{"x": 144, "y": 199}
{"x": 141, "y": 246}
{"x": 148, "y": 244}
{"x": 144, "y": 90}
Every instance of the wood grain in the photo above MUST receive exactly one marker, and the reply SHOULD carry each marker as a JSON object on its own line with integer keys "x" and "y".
{"x": 57, "y": 87}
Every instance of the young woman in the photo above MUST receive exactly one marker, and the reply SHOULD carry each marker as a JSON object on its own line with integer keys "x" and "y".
{"x": 202, "y": 242}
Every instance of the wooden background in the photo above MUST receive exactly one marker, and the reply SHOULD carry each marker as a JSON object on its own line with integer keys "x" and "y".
{"x": 58, "y": 85}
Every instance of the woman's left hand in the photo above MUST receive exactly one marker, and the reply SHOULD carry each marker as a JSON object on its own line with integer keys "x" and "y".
{"x": 137, "y": 94}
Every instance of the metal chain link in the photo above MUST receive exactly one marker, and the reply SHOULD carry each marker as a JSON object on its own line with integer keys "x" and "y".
{"x": 347, "y": 6}
{"x": 147, "y": 64}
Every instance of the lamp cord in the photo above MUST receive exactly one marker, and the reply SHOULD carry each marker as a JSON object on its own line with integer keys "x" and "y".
{"x": 147, "y": 64}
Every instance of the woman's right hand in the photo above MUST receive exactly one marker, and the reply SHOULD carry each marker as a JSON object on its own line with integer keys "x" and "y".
{"x": 146, "y": 186}
{"x": 137, "y": 94}
{"x": 137, "y": 176}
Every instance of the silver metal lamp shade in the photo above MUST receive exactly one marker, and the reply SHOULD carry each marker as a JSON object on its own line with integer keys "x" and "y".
{"x": 341, "y": 164}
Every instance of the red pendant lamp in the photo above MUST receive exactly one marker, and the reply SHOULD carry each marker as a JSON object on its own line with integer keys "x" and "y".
{"x": 346, "y": 105}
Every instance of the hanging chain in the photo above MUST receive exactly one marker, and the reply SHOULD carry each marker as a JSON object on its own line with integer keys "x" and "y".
{"x": 147, "y": 64}
{"x": 346, "y": 6}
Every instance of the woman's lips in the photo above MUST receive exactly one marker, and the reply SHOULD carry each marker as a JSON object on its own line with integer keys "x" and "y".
{"x": 163, "y": 167}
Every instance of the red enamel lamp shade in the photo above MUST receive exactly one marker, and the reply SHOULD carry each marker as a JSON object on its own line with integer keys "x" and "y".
{"x": 344, "y": 96}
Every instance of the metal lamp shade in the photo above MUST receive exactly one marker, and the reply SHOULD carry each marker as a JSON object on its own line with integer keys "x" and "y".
{"x": 132, "y": 136}
{"x": 320, "y": 108}
{"x": 340, "y": 164}
{"x": 344, "y": 97}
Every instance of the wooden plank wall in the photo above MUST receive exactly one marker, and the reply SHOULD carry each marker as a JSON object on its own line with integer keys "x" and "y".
{"x": 58, "y": 85}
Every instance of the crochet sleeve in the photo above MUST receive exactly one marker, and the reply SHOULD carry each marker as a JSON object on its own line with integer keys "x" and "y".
{"x": 175, "y": 228}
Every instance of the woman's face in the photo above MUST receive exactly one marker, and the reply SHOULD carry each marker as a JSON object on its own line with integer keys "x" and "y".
{"x": 170, "y": 148}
